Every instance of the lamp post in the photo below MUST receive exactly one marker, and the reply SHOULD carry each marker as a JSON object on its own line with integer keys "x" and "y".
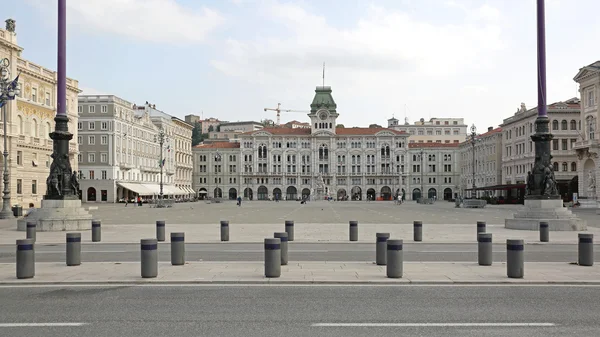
{"x": 8, "y": 91}
{"x": 161, "y": 138}
{"x": 473, "y": 135}
{"x": 217, "y": 167}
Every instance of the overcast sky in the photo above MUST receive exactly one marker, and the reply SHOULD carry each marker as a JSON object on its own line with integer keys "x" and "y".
{"x": 232, "y": 58}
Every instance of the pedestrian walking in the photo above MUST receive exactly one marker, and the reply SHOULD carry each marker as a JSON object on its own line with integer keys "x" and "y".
{"x": 239, "y": 201}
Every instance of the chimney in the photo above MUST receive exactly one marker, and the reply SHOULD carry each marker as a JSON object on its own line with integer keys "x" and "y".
{"x": 490, "y": 128}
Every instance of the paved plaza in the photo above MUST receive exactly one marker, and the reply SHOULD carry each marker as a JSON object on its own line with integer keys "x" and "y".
{"x": 314, "y": 222}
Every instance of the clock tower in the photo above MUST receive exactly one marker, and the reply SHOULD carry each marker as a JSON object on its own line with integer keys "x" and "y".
{"x": 323, "y": 113}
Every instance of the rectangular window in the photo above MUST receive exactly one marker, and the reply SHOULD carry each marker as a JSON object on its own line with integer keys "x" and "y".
{"x": 103, "y": 109}
{"x": 34, "y": 94}
{"x": 80, "y": 109}
{"x": 19, "y": 186}
{"x": 92, "y": 174}
{"x": 103, "y": 174}
{"x": 92, "y": 109}
{"x": 104, "y": 140}
{"x": 47, "y": 98}
{"x": 79, "y": 126}
{"x": 92, "y": 140}
{"x": 555, "y": 144}
{"x": 104, "y": 126}
{"x": 103, "y": 157}
{"x": 19, "y": 158}
{"x": 79, "y": 158}
{"x": 91, "y": 157}
{"x": 565, "y": 144}
{"x": 91, "y": 126}
{"x": 34, "y": 187}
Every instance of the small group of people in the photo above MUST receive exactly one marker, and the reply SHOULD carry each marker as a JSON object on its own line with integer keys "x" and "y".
{"x": 137, "y": 202}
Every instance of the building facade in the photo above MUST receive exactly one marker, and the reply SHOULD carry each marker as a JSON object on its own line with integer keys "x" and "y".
{"x": 433, "y": 169}
{"x": 295, "y": 163}
{"x": 484, "y": 157}
{"x": 240, "y": 126}
{"x": 518, "y": 153}
{"x": 120, "y": 154}
{"x": 30, "y": 120}
{"x": 587, "y": 147}
{"x": 182, "y": 142}
{"x": 436, "y": 130}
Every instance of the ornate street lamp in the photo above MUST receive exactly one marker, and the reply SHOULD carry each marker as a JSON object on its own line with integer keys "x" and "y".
{"x": 161, "y": 138}
{"x": 8, "y": 91}
{"x": 473, "y": 139}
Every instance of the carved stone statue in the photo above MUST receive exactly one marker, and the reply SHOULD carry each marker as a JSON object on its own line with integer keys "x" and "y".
{"x": 74, "y": 183}
{"x": 591, "y": 180}
{"x": 11, "y": 25}
{"x": 549, "y": 182}
{"x": 530, "y": 183}
{"x": 523, "y": 107}
{"x": 53, "y": 185}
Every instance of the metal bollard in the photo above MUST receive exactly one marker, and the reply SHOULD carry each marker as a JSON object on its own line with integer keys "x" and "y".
{"x": 149, "y": 257}
{"x": 480, "y": 227}
{"x": 96, "y": 231}
{"x": 380, "y": 248}
{"x": 586, "y": 249}
{"x": 544, "y": 231}
{"x": 160, "y": 230}
{"x": 484, "y": 249}
{"x": 289, "y": 228}
{"x": 224, "y": 230}
{"x": 25, "y": 259}
{"x": 73, "y": 249}
{"x": 283, "y": 237}
{"x": 177, "y": 249}
{"x": 418, "y": 230}
{"x": 31, "y": 230}
{"x": 395, "y": 259}
{"x": 272, "y": 257}
{"x": 515, "y": 267}
{"x": 353, "y": 230}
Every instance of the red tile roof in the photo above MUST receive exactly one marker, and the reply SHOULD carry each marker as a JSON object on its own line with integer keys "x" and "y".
{"x": 429, "y": 145}
{"x": 218, "y": 145}
{"x": 339, "y": 131}
{"x": 496, "y": 130}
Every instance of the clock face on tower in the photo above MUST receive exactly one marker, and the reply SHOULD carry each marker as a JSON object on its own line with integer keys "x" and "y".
{"x": 323, "y": 114}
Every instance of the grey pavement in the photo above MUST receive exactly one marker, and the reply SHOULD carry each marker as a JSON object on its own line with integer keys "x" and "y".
{"x": 299, "y": 272}
{"x": 414, "y": 252}
{"x": 253, "y": 311}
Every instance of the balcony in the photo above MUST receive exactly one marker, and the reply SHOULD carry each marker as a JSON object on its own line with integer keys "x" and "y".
{"x": 125, "y": 166}
{"x": 584, "y": 144}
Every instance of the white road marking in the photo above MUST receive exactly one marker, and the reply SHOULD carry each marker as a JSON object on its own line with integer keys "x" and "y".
{"x": 99, "y": 284}
{"x": 19, "y": 325}
{"x": 460, "y": 325}
{"x": 85, "y": 251}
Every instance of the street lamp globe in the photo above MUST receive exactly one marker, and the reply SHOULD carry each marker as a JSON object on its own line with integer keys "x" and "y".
{"x": 473, "y": 128}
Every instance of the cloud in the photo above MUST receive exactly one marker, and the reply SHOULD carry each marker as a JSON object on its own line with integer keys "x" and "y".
{"x": 163, "y": 21}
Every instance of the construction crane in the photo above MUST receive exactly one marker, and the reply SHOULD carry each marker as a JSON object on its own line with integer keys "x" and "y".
{"x": 279, "y": 110}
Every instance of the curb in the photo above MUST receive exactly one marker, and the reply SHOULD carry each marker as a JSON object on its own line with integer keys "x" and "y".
{"x": 166, "y": 242}
{"x": 400, "y": 282}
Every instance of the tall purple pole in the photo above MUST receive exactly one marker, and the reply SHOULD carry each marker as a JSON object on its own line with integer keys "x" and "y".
{"x": 541, "y": 59}
{"x": 61, "y": 99}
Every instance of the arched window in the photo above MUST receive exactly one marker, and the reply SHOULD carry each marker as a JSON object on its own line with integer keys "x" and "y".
{"x": 563, "y": 125}
{"x": 565, "y": 167}
{"x": 573, "y": 166}
{"x": 573, "y": 125}
{"x": 555, "y": 125}
{"x": 20, "y": 125}
{"x": 555, "y": 166}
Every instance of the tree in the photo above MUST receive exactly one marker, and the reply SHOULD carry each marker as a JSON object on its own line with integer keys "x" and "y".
{"x": 372, "y": 126}
{"x": 339, "y": 126}
{"x": 197, "y": 134}
{"x": 267, "y": 123}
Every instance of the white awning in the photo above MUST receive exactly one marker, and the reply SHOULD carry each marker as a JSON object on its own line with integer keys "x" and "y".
{"x": 137, "y": 188}
{"x": 203, "y": 192}
{"x": 191, "y": 191}
{"x": 154, "y": 188}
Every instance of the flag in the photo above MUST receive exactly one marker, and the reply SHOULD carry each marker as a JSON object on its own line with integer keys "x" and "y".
{"x": 163, "y": 163}
{"x": 15, "y": 83}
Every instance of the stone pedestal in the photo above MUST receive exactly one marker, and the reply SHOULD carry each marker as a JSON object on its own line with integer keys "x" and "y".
{"x": 58, "y": 215}
{"x": 587, "y": 203}
{"x": 559, "y": 218}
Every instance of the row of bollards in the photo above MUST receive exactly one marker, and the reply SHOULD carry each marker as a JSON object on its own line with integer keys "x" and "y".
{"x": 31, "y": 230}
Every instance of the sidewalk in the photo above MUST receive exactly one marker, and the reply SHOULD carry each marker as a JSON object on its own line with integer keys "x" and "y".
{"x": 307, "y": 233}
{"x": 303, "y": 273}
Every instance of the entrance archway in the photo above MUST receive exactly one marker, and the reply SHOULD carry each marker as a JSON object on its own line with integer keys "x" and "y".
{"x": 386, "y": 193}
{"x": 202, "y": 193}
{"x": 263, "y": 193}
{"x": 291, "y": 193}
{"x": 431, "y": 193}
{"x": 218, "y": 193}
{"x": 356, "y": 193}
{"x": 370, "y": 194}
{"x": 416, "y": 194}
{"x": 305, "y": 193}
{"x": 91, "y": 194}
{"x": 447, "y": 193}
{"x": 277, "y": 193}
{"x": 232, "y": 194}
{"x": 341, "y": 195}
{"x": 248, "y": 193}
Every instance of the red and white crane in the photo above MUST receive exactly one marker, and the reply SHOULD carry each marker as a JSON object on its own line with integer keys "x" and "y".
{"x": 279, "y": 110}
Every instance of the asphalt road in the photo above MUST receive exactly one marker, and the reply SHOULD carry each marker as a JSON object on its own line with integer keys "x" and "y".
{"x": 298, "y": 252}
{"x": 301, "y": 311}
